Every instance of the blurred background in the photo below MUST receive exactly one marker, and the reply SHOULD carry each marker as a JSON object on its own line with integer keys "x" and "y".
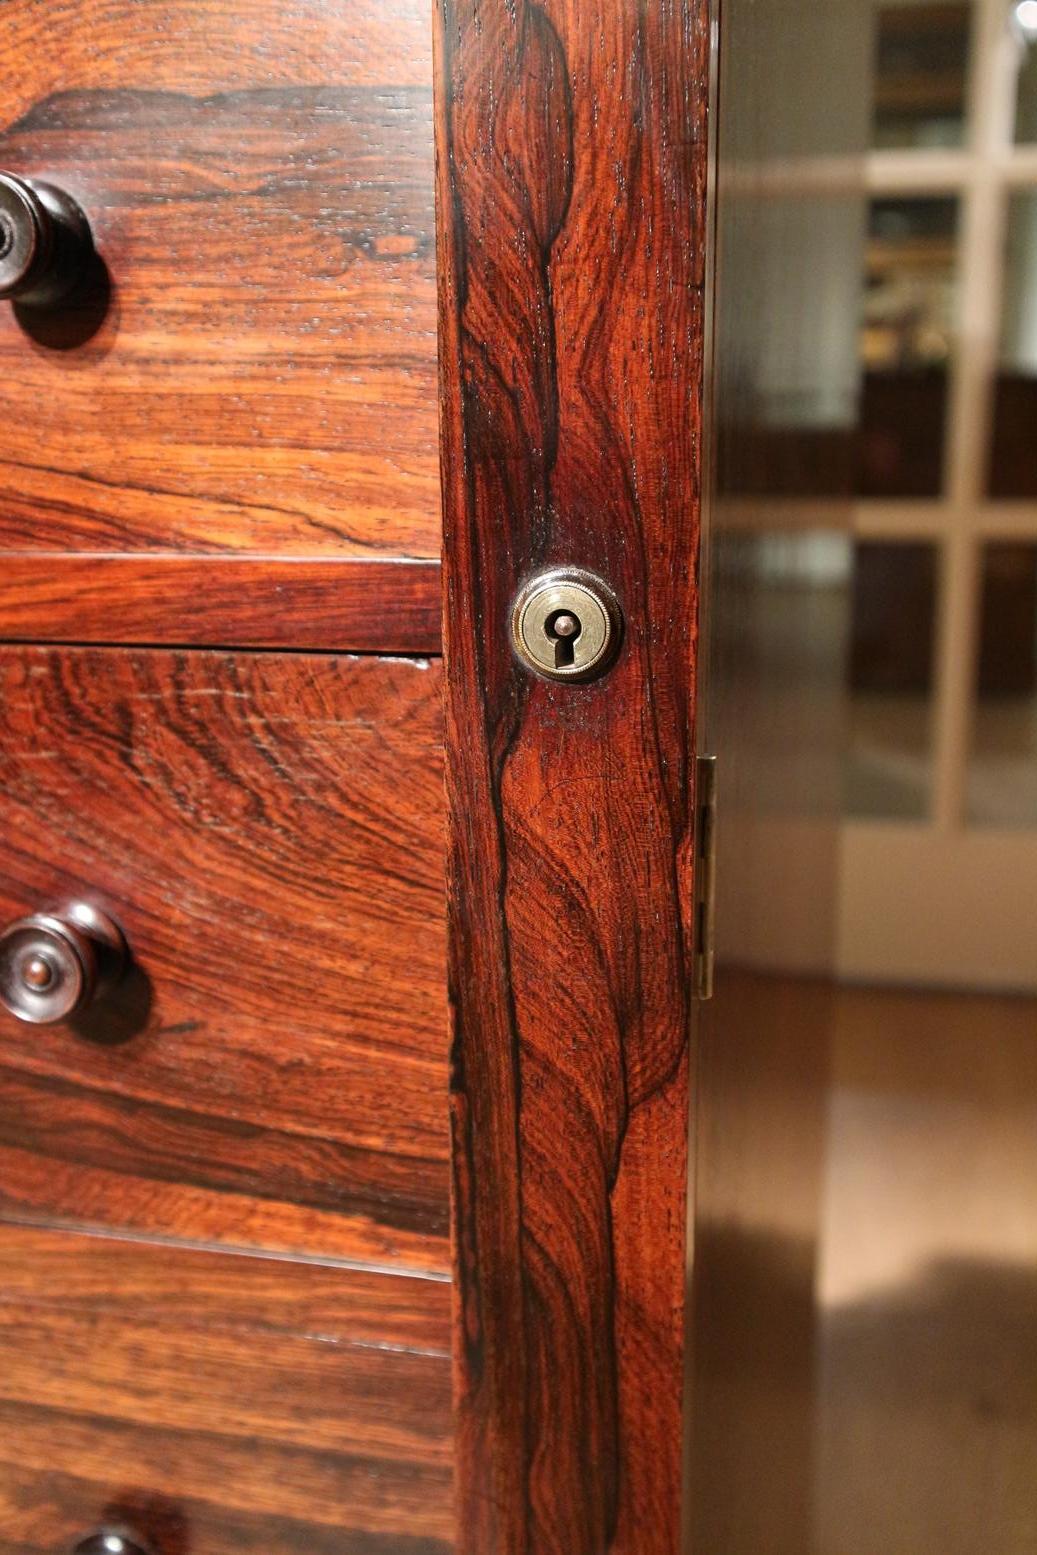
{"x": 864, "y": 1246}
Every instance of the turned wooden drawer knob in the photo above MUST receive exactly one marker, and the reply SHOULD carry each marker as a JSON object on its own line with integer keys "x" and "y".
{"x": 54, "y": 964}
{"x": 45, "y": 242}
{"x": 111, "y": 1541}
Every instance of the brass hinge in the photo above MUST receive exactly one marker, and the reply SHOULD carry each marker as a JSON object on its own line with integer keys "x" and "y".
{"x": 705, "y": 874}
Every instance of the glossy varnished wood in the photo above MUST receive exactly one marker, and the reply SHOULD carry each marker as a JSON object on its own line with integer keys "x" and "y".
{"x": 219, "y": 1403}
{"x": 355, "y": 605}
{"x": 572, "y": 153}
{"x": 268, "y": 831}
{"x": 203, "y": 46}
{"x": 259, "y": 180}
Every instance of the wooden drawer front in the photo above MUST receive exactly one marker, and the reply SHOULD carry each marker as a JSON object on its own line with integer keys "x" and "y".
{"x": 219, "y": 1404}
{"x": 267, "y": 830}
{"x": 259, "y": 179}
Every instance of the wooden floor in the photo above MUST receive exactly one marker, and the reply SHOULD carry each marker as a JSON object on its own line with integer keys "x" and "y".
{"x": 865, "y": 1278}
{"x": 926, "y": 1381}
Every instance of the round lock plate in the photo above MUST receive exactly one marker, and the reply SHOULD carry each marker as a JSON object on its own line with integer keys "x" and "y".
{"x": 566, "y": 624}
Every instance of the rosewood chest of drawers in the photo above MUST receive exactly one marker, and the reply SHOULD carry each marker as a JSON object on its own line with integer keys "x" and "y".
{"x": 342, "y": 1185}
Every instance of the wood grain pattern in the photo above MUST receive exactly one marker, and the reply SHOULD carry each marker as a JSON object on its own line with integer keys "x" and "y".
{"x": 259, "y": 179}
{"x": 268, "y": 831}
{"x": 205, "y": 46}
{"x": 572, "y": 154}
{"x": 219, "y": 1403}
{"x": 353, "y": 605}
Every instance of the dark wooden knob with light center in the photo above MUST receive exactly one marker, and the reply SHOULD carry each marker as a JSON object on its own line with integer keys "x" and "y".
{"x": 46, "y": 247}
{"x": 53, "y": 965}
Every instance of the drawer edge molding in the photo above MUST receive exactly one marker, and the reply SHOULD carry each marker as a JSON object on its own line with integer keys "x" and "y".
{"x": 387, "y": 605}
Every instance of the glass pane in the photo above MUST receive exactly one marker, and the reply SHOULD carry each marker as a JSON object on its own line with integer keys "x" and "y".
{"x": 789, "y": 423}
{"x": 891, "y": 680}
{"x": 905, "y": 345}
{"x": 1026, "y": 103}
{"x": 926, "y": 1439}
{"x": 1013, "y": 471}
{"x": 851, "y": 394}
{"x": 863, "y": 1338}
{"x": 1003, "y": 770}
{"x": 921, "y": 65}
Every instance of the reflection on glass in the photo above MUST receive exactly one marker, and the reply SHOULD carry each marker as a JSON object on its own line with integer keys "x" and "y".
{"x": 1013, "y": 471}
{"x": 1026, "y": 102}
{"x": 851, "y": 393}
{"x": 787, "y": 409}
{"x": 864, "y": 1360}
{"x": 921, "y": 65}
{"x": 926, "y": 1439}
{"x": 1002, "y": 787}
{"x": 781, "y": 653}
{"x": 905, "y": 345}
{"x": 891, "y": 680}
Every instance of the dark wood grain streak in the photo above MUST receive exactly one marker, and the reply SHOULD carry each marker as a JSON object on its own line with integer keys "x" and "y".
{"x": 219, "y": 1403}
{"x": 572, "y": 153}
{"x": 351, "y": 605}
{"x": 268, "y": 831}
{"x": 259, "y": 180}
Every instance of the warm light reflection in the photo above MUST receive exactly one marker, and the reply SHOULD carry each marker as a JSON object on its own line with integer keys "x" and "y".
{"x": 1026, "y": 18}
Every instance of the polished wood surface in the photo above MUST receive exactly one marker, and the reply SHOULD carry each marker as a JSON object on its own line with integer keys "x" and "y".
{"x": 352, "y": 605}
{"x": 224, "y": 1265}
{"x": 257, "y": 372}
{"x": 268, "y": 833}
{"x": 218, "y": 1403}
{"x": 762, "y": 1070}
{"x": 572, "y": 152}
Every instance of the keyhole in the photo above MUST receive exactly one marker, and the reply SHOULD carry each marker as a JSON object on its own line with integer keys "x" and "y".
{"x": 563, "y": 628}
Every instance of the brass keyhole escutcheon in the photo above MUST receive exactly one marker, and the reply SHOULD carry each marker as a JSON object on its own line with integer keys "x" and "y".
{"x": 566, "y": 624}
{"x": 564, "y": 629}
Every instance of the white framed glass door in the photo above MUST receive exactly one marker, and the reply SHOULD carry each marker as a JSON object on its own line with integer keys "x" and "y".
{"x": 939, "y": 861}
